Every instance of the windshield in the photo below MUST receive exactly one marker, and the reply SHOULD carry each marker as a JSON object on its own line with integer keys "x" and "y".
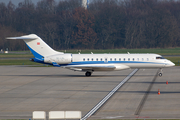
{"x": 160, "y": 57}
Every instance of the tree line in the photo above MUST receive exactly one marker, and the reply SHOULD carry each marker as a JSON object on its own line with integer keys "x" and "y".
{"x": 106, "y": 24}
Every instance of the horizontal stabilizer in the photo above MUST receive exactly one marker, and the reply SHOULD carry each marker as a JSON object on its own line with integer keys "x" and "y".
{"x": 21, "y": 38}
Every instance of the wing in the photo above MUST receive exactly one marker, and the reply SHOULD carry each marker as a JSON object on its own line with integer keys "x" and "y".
{"x": 97, "y": 67}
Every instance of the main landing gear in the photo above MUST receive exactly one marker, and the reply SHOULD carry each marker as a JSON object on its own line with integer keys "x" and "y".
{"x": 160, "y": 72}
{"x": 88, "y": 73}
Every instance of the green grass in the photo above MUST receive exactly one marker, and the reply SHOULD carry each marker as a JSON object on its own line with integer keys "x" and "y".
{"x": 18, "y": 62}
{"x": 16, "y": 56}
{"x": 168, "y": 51}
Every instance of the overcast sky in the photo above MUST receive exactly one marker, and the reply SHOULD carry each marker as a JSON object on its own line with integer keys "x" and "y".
{"x": 16, "y": 2}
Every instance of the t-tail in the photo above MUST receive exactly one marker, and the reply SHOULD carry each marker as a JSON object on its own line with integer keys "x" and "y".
{"x": 37, "y": 46}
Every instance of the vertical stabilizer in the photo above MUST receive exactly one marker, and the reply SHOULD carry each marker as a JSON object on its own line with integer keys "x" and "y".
{"x": 37, "y": 46}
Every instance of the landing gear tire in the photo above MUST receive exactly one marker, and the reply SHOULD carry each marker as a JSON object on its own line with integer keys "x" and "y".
{"x": 160, "y": 74}
{"x": 88, "y": 73}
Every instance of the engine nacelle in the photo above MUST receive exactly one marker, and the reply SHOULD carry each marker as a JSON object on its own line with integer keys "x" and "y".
{"x": 60, "y": 59}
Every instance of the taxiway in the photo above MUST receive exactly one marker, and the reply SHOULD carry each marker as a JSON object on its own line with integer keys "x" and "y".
{"x": 26, "y": 89}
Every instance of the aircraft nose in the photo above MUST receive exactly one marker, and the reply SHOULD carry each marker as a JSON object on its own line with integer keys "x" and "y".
{"x": 170, "y": 64}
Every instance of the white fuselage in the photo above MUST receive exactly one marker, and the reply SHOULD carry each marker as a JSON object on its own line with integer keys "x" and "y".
{"x": 123, "y": 60}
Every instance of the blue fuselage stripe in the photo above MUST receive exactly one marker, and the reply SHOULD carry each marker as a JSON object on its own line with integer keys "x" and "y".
{"x": 109, "y": 62}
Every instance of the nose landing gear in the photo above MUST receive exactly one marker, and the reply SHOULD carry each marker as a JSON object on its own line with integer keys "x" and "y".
{"x": 160, "y": 72}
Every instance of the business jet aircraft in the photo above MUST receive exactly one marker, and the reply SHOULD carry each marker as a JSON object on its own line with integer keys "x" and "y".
{"x": 91, "y": 62}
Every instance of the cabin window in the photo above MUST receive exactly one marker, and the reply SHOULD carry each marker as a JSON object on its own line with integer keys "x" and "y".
{"x": 92, "y": 59}
{"x": 106, "y": 59}
{"x": 119, "y": 59}
{"x": 142, "y": 59}
{"x": 83, "y": 59}
{"x": 96, "y": 59}
{"x": 128, "y": 59}
{"x": 137, "y": 59}
{"x": 88, "y": 59}
{"x": 124, "y": 59}
{"x": 110, "y": 59}
{"x": 114, "y": 59}
{"x": 147, "y": 59}
{"x": 101, "y": 59}
{"x": 133, "y": 59}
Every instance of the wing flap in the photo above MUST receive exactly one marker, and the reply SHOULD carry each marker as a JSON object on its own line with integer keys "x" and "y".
{"x": 91, "y": 67}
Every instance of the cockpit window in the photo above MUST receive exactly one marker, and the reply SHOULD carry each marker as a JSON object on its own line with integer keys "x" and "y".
{"x": 160, "y": 57}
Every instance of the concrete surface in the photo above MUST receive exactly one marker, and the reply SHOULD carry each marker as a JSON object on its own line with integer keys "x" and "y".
{"x": 27, "y": 89}
{"x": 124, "y": 104}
